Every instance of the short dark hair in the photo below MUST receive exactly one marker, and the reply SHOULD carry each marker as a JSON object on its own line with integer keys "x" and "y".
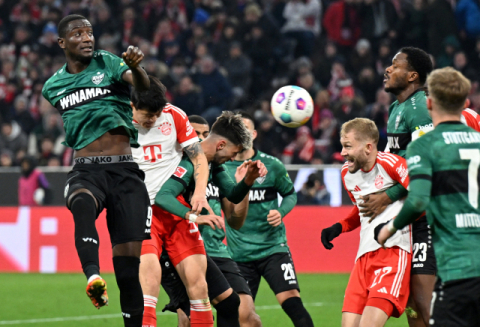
{"x": 196, "y": 119}
{"x": 419, "y": 61}
{"x": 231, "y": 126}
{"x": 63, "y": 24}
{"x": 152, "y": 100}
{"x": 245, "y": 115}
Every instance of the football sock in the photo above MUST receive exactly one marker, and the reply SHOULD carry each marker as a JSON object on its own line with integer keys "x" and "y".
{"x": 294, "y": 308}
{"x": 84, "y": 213}
{"x": 131, "y": 296}
{"x": 201, "y": 313}
{"x": 149, "y": 312}
{"x": 227, "y": 311}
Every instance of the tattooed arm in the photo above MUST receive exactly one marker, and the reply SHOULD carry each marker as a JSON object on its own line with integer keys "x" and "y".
{"x": 200, "y": 174}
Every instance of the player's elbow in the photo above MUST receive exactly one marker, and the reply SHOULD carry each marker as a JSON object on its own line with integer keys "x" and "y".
{"x": 420, "y": 203}
{"x": 235, "y": 222}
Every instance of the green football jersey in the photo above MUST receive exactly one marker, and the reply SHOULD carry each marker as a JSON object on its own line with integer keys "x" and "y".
{"x": 257, "y": 238}
{"x": 213, "y": 239}
{"x": 407, "y": 121}
{"x": 449, "y": 157}
{"x": 93, "y": 101}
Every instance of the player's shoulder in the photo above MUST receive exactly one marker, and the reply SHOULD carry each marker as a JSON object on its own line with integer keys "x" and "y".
{"x": 174, "y": 111}
{"x": 54, "y": 77}
{"x": 104, "y": 55}
{"x": 262, "y": 156}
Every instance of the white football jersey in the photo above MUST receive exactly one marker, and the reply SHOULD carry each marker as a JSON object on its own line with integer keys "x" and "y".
{"x": 389, "y": 170}
{"x": 161, "y": 147}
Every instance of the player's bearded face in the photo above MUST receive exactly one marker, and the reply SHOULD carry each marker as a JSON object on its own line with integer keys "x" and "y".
{"x": 354, "y": 152}
{"x": 396, "y": 76}
{"x": 79, "y": 41}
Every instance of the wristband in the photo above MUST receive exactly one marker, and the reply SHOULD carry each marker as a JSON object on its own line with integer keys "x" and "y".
{"x": 192, "y": 217}
{"x": 390, "y": 227}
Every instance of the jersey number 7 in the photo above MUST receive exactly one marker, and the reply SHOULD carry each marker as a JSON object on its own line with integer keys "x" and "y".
{"x": 474, "y": 156}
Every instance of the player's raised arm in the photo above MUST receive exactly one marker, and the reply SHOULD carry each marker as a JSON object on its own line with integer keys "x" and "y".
{"x": 283, "y": 186}
{"x": 136, "y": 75}
{"x": 200, "y": 175}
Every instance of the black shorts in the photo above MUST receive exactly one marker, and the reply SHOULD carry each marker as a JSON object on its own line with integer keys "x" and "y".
{"x": 277, "y": 269}
{"x": 423, "y": 258}
{"x": 120, "y": 189}
{"x": 230, "y": 270}
{"x": 173, "y": 285}
{"x": 456, "y": 303}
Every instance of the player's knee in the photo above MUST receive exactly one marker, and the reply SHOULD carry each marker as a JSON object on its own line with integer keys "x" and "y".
{"x": 82, "y": 198}
{"x": 126, "y": 271}
{"x": 197, "y": 289}
{"x": 229, "y": 306}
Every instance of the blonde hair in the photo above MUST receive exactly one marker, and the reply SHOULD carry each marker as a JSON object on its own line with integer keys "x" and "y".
{"x": 449, "y": 88}
{"x": 364, "y": 128}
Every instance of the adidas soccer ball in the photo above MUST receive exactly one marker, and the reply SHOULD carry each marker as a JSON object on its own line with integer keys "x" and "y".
{"x": 292, "y": 106}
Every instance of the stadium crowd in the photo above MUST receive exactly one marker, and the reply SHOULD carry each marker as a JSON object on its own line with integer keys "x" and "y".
{"x": 215, "y": 55}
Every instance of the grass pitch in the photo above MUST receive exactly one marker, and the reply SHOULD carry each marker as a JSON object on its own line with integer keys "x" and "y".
{"x": 59, "y": 300}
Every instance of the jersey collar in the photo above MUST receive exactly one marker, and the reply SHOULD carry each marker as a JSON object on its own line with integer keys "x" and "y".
{"x": 451, "y": 122}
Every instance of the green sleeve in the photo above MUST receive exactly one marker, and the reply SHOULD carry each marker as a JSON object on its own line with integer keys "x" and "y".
{"x": 116, "y": 65}
{"x": 396, "y": 192}
{"x": 166, "y": 198}
{"x": 418, "y": 116}
{"x": 234, "y": 192}
{"x": 420, "y": 174}
{"x": 288, "y": 203}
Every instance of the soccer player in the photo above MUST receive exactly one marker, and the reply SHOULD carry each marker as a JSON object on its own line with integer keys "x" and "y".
{"x": 91, "y": 93}
{"x": 174, "y": 224}
{"x": 408, "y": 119}
{"x": 444, "y": 168}
{"x": 260, "y": 246}
{"x": 471, "y": 118}
{"x": 164, "y": 134}
{"x": 378, "y": 287}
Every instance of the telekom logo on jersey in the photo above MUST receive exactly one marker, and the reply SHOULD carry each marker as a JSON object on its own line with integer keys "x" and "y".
{"x": 152, "y": 152}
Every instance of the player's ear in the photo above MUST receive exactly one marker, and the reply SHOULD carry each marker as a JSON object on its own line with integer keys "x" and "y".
{"x": 254, "y": 134}
{"x": 61, "y": 42}
{"x": 429, "y": 103}
{"x": 412, "y": 76}
{"x": 221, "y": 145}
{"x": 131, "y": 104}
{"x": 467, "y": 104}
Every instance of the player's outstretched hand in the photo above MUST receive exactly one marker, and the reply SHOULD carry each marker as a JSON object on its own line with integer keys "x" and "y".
{"x": 374, "y": 204}
{"x": 385, "y": 232}
{"x": 211, "y": 220}
{"x": 242, "y": 170}
{"x": 255, "y": 169}
{"x": 199, "y": 202}
{"x": 274, "y": 218}
{"x": 328, "y": 234}
{"x": 133, "y": 56}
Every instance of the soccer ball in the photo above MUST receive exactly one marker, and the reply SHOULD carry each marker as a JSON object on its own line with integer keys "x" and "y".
{"x": 292, "y": 106}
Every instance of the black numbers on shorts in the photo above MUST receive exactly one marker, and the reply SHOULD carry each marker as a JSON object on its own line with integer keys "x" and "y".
{"x": 419, "y": 252}
{"x": 289, "y": 273}
{"x": 149, "y": 217}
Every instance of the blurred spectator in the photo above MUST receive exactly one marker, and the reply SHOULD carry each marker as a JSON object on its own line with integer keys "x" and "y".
{"x": 302, "y": 23}
{"x": 378, "y": 112}
{"x": 467, "y": 14}
{"x": 413, "y": 27}
{"x": 254, "y": 16}
{"x": 307, "y": 81}
{"x": 188, "y": 96}
{"x": 440, "y": 24}
{"x": 460, "y": 63}
{"x": 302, "y": 149}
{"x": 33, "y": 187}
{"x": 13, "y": 138}
{"x": 216, "y": 91}
{"x": 325, "y": 62}
{"x": 6, "y": 158}
{"x": 238, "y": 67}
{"x": 348, "y": 106}
{"x": 313, "y": 192}
{"x": 133, "y": 27}
{"x": 46, "y": 150}
{"x": 22, "y": 116}
{"x": 450, "y": 46}
{"x": 368, "y": 83}
{"x": 362, "y": 57}
{"x": 222, "y": 47}
{"x": 342, "y": 23}
{"x": 385, "y": 56}
{"x": 379, "y": 20}
{"x": 325, "y": 132}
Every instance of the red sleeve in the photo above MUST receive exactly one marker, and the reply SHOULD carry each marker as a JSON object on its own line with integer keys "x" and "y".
{"x": 352, "y": 221}
{"x": 395, "y": 166}
{"x": 186, "y": 135}
{"x": 472, "y": 118}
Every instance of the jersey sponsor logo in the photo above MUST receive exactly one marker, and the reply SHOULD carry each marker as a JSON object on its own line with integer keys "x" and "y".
{"x": 257, "y": 195}
{"x": 398, "y": 141}
{"x": 152, "y": 153}
{"x": 393, "y": 142}
{"x": 402, "y": 171}
{"x": 418, "y": 265}
{"x": 97, "y": 79}
{"x": 379, "y": 181}
{"x": 166, "y": 128}
{"x": 414, "y": 160}
{"x": 212, "y": 191}
{"x": 82, "y": 95}
{"x": 179, "y": 172}
{"x": 461, "y": 137}
{"x": 426, "y": 126}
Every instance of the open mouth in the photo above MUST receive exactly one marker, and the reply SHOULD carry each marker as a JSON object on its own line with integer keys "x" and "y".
{"x": 385, "y": 78}
{"x": 87, "y": 49}
{"x": 350, "y": 162}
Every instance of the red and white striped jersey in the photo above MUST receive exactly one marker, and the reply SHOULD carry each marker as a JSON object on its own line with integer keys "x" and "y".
{"x": 471, "y": 118}
{"x": 389, "y": 170}
{"x": 161, "y": 147}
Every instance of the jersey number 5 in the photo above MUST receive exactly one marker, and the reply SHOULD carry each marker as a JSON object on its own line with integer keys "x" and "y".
{"x": 474, "y": 156}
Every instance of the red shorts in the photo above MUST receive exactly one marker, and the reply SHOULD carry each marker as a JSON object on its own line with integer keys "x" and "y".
{"x": 178, "y": 236}
{"x": 385, "y": 274}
